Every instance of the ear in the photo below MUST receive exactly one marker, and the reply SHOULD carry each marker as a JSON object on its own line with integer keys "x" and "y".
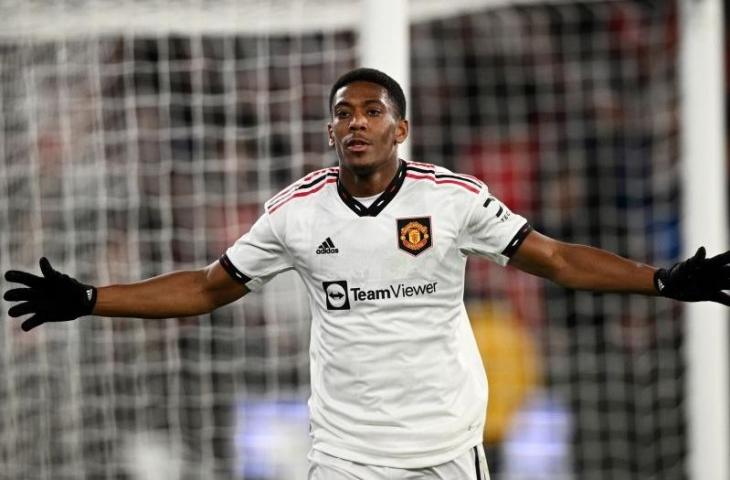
{"x": 330, "y": 135}
{"x": 401, "y": 131}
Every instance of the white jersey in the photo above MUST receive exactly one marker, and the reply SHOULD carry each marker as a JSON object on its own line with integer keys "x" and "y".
{"x": 397, "y": 379}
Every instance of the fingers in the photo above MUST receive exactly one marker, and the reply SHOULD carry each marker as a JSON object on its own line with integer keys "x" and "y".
{"x": 46, "y": 268}
{"x": 25, "y": 278}
{"x": 32, "y": 322}
{"x": 719, "y": 260}
{"x": 19, "y": 294}
{"x": 22, "y": 309}
{"x": 28, "y": 296}
{"x": 25, "y": 308}
{"x": 700, "y": 254}
{"x": 721, "y": 297}
{"x": 723, "y": 284}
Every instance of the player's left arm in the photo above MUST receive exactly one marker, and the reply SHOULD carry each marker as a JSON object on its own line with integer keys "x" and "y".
{"x": 587, "y": 268}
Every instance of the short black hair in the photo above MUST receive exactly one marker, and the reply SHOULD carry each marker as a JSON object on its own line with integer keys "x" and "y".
{"x": 371, "y": 75}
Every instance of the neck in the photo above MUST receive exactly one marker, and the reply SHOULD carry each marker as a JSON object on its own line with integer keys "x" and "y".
{"x": 366, "y": 182}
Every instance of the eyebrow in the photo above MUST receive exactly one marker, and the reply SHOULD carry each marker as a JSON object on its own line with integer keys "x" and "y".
{"x": 345, "y": 103}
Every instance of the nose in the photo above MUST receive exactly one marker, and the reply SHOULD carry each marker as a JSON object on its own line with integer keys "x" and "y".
{"x": 358, "y": 121}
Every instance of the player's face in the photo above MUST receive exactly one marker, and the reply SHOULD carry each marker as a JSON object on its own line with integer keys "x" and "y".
{"x": 365, "y": 129}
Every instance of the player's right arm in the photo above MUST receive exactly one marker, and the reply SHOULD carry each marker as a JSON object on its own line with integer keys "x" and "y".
{"x": 55, "y": 297}
{"x": 176, "y": 294}
{"x": 58, "y": 297}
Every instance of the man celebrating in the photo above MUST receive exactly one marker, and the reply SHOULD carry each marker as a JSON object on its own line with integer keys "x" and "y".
{"x": 398, "y": 386}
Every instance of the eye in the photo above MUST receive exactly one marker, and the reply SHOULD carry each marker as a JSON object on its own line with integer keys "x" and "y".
{"x": 342, "y": 114}
{"x": 374, "y": 112}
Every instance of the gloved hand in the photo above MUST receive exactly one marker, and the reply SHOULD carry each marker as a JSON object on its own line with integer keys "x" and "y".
{"x": 696, "y": 279}
{"x": 54, "y": 297}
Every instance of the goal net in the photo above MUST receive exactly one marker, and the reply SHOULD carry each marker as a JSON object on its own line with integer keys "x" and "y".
{"x": 142, "y": 137}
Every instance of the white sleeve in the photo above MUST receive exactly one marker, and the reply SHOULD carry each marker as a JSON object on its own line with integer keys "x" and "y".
{"x": 258, "y": 256}
{"x": 491, "y": 230}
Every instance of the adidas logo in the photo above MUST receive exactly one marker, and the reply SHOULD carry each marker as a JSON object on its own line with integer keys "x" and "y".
{"x": 327, "y": 247}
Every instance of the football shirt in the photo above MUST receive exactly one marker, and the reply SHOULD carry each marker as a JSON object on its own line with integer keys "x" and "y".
{"x": 396, "y": 377}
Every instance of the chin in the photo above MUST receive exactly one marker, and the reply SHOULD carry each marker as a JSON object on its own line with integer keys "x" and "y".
{"x": 361, "y": 166}
{"x": 363, "y": 170}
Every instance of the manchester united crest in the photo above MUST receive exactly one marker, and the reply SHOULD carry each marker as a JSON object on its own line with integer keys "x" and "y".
{"x": 414, "y": 234}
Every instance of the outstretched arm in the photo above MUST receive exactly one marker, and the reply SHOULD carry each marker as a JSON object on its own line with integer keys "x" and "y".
{"x": 581, "y": 267}
{"x": 588, "y": 268}
{"x": 57, "y": 297}
{"x": 177, "y": 294}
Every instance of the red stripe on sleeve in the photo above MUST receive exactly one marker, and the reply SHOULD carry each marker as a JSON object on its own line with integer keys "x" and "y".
{"x": 303, "y": 194}
{"x": 467, "y": 186}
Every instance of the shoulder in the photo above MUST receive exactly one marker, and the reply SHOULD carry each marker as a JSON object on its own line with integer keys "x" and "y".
{"x": 443, "y": 177}
{"x": 304, "y": 187}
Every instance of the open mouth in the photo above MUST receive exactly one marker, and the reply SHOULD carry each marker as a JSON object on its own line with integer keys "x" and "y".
{"x": 357, "y": 145}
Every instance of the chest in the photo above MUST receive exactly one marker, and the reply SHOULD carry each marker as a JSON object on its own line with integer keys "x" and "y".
{"x": 405, "y": 243}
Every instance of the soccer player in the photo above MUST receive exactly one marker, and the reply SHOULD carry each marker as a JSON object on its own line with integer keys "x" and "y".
{"x": 398, "y": 387}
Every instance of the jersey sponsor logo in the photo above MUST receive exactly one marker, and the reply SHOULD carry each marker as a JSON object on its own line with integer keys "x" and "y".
{"x": 327, "y": 247}
{"x": 338, "y": 295}
{"x": 414, "y": 235}
{"x": 393, "y": 291}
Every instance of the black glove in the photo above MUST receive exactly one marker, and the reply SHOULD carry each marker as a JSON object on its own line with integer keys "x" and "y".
{"x": 696, "y": 279}
{"x": 54, "y": 297}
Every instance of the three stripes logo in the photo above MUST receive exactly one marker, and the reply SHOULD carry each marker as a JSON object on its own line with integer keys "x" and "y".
{"x": 327, "y": 248}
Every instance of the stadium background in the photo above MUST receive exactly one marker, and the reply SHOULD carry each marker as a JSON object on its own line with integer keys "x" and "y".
{"x": 128, "y": 155}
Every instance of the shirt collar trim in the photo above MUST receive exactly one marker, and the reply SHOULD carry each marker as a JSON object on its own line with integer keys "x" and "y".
{"x": 381, "y": 202}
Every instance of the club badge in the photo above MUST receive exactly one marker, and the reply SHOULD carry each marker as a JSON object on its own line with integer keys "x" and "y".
{"x": 414, "y": 234}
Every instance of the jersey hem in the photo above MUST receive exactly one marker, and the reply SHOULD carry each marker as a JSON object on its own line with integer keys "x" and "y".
{"x": 418, "y": 462}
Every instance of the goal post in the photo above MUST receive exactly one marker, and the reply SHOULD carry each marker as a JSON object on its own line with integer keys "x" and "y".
{"x": 384, "y": 44}
{"x": 705, "y": 215}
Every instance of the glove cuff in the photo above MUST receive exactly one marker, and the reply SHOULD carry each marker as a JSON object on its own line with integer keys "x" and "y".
{"x": 90, "y": 292}
{"x": 661, "y": 277}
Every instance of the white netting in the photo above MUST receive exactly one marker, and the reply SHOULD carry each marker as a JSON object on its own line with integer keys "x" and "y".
{"x": 130, "y": 148}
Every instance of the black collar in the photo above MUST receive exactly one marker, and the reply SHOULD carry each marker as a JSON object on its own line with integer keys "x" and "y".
{"x": 381, "y": 202}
